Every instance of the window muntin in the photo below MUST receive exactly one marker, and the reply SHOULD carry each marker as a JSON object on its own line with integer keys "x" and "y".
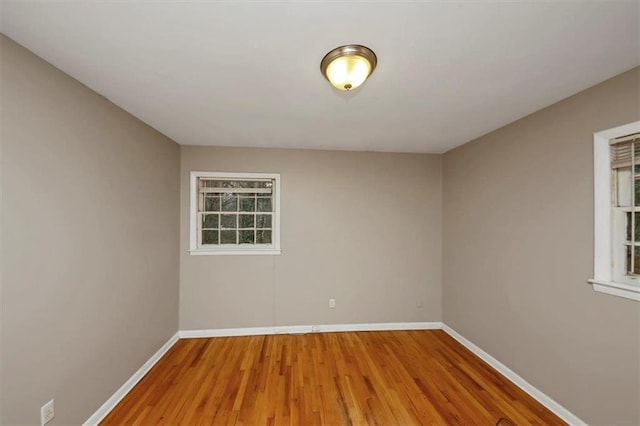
{"x": 234, "y": 213}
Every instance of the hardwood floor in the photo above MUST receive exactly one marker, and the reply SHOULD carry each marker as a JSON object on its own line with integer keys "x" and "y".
{"x": 354, "y": 378}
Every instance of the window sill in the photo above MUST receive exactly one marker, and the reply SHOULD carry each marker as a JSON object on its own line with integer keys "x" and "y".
{"x": 627, "y": 291}
{"x": 232, "y": 252}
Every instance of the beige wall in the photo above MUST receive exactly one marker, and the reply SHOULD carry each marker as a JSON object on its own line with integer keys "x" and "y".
{"x": 89, "y": 242}
{"x": 364, "y": 228}
{"x": 518, "y": 249}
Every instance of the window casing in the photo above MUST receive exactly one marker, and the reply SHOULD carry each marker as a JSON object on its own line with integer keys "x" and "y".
{"x": 235, "y": 213}
{"x": 617, "y": 212}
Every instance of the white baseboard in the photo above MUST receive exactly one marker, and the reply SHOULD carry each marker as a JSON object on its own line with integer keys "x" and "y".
{"x": 534, "y": 392}
{"x": 384, "y": 326}
{"x": 301, "y": 329}
{"x": 110, "y": 404}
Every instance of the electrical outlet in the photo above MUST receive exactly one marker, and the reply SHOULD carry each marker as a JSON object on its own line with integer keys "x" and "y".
{"x": 332, "y": 303}
{"x": 315, "y": 329}
{"x": 46, "y": 413}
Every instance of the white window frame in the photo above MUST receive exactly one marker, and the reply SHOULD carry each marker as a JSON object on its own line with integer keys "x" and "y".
{"x": 262, "y": 249}
{"x": 603, "y": 265}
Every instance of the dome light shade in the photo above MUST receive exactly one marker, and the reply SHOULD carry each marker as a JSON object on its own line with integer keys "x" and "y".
{"x": 347, "y": 67}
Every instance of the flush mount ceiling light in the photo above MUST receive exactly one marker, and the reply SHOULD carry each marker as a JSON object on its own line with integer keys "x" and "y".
{"x": 347, "y": 67}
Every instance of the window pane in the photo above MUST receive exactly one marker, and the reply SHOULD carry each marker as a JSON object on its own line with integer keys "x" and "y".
{"x": 247, "y": 237}
{"x": 627, "y": 259}
{"x": 223, "y": 184}
{"x": 636, "y": 227}
{"x": 636, "y": 259}
{"x": 623, "y": 185}
{"x": 229, "y": 203}
{"x": 636, "y": 189}
{"x": 209, "y": 237}
{"x": 247, "y": 204}
{"x": 263, "y": 237}
{"x": 246, "y": 221}
{"x": 228, "y": 237}
{"x": 211, "y": 203}
{"x": 264, "y": 204}
{"x": 210, "y": 221}
{"x": 228, "y": 221}
{"x": 263, "y": 221}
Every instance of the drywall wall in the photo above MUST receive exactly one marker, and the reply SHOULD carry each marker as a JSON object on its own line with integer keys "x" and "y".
{"x": 363, "y": 228}
{"x": 89, "y": 242}
{"x": 518, "y": 249}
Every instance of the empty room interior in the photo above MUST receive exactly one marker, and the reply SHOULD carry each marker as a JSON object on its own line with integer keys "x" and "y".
{"x": 320, "y": 213}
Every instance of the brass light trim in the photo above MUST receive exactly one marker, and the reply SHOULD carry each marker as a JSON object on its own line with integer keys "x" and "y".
{"x": 349, "y": 78}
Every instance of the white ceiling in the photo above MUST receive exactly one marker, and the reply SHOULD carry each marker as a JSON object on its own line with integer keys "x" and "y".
{"x": 247, "y": 73}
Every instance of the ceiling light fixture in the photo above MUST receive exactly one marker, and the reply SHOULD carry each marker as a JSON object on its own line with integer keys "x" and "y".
{"x": 347, "y": 67}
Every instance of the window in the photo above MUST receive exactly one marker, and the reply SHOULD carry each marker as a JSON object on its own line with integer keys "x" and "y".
{"x": 617, "y": 211}
{"x": 625, "y": 201}
{"x": 235, "y": 213}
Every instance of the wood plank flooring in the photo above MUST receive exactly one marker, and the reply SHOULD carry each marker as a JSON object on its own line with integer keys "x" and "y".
{"x": 354, "y": 378}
